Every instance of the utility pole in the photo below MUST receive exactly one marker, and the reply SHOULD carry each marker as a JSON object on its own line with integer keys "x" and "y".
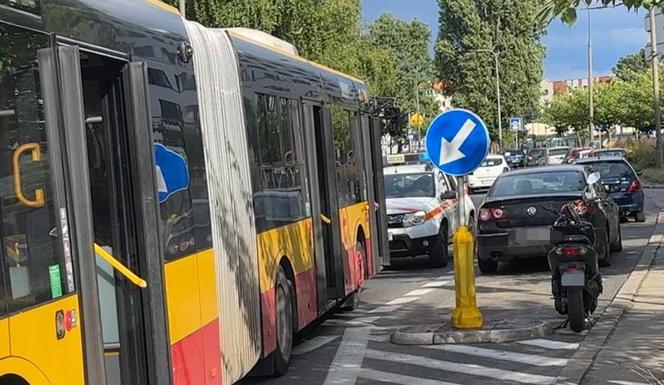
{"x": 659, "y": 157}
{"x": 419, "y": 123}
{"x": 591, "y": 102}
{"x": 182, "y": 8}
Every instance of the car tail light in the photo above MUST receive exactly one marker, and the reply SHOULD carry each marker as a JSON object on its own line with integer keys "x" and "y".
{"x": 635, "y": 186}
{"x": 582, "y": 207}
{"x": 492, "y": 213}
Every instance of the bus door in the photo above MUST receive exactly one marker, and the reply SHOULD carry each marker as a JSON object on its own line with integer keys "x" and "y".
{"x": 375, "y": 134}
{"x": 102, "y": 102}
{"x": 324, "y": 206}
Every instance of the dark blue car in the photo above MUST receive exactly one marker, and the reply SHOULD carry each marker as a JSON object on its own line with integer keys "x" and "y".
{"x": 622, "y": 183}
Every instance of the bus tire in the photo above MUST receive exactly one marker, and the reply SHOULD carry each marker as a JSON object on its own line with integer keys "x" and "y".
{"x": 285, "y": 315}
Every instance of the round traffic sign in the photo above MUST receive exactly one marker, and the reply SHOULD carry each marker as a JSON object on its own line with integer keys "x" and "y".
{"x": 457, "y": 142}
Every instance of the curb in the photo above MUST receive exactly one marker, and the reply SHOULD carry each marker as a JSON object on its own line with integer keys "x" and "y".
{"x": 585, "y": 356}
{"x": 493, "y": 332}
{"x": 654, "y": 186}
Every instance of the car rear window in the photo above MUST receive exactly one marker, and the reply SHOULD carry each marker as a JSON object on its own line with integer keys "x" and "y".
{"x": 491, "y": 162}
{"x": 613, "y": 169}
{"x": 410, "y": 185}
{"x": 536, "y": 153}
{"x": 538, "y": 183}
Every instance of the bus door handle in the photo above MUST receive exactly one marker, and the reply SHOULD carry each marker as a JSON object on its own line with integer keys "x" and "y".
{"x": 122, "y": 269}
{"x": 39, "y": 200}
{"x": 325, "y": 219}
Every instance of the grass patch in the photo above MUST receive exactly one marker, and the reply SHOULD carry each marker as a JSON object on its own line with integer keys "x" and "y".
{"x": 653, "y": 176}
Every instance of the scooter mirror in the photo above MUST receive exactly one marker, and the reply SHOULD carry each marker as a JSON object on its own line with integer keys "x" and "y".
{"x": 593, "y": 178}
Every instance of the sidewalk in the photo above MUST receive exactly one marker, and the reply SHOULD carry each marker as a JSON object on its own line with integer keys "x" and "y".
{"x": 633, "y": 353}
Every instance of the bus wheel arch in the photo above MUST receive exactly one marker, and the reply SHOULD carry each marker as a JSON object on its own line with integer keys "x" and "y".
{"x": 286, "y": 316}
{"x": 13, "y": 379}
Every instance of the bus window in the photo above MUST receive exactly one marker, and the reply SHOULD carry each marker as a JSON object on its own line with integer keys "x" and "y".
{"x": 347, "y": 165}
{"x": 281, "y": 196}
{"x": 30, "y": 252}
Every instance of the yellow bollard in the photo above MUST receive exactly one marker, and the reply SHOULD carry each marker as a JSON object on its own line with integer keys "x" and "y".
{"x": 466, "y": 315}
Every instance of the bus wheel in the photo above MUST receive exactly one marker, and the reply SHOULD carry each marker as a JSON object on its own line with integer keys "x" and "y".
{"x": 285, "y": 322}
{"x": 353, "y": 301}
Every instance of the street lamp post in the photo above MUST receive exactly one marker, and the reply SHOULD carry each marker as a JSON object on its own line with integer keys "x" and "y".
{"x": 500, "y": 114}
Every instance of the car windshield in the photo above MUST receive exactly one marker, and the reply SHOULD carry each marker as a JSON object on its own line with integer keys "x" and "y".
{"x": 558, "y": 151}
{"x": 409, "y": 185}
{"x": 613, "y": 170}
{"x": 491, "y": 162}
{"x": 538, "y": 183}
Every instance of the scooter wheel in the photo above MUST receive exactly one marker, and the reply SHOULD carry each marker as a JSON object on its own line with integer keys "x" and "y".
{"x": 577, "y": 318}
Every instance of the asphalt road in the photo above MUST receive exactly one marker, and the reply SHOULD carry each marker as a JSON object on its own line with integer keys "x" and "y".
{"x": 354, "y": 348}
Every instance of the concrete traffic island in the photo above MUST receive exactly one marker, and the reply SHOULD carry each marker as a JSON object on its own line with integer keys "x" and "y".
{"x": 493, "y": 331}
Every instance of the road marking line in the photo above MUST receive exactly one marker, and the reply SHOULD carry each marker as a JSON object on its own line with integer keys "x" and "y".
{"x": 436, "y": 284}
{"x": 313, "y": 344}
{"x": 550, "y": 344}
{"x": 418, "y": 292}
{"x": 469, "y": 369}
{"x": 384, "y": 309}
{"x": 400, "y": 379}
{"x": 402, "y": 300}
{"x": 380, "y": 338}
{"x": 530, "y": 359}
{"x": 347, "y": 362}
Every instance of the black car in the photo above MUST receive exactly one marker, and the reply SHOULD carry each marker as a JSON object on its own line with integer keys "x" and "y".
{"x": 622, "y": 182}
{"x": 515, "y": 158}
{"x": 538, "y": 156}
{"x": 515, "y": 219}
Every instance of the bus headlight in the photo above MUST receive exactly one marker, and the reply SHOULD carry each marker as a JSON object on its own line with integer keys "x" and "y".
{"x": 414, "y": 219}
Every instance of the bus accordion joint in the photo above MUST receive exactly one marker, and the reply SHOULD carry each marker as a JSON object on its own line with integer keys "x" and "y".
{"x": 122, "y": 269}
{"x": 39, "y": 200}
{"x": 325, "y": 219}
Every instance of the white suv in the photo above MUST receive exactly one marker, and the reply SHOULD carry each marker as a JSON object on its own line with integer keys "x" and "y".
{"x": 421, "y": 205}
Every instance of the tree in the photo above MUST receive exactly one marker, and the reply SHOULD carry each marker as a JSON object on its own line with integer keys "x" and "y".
{"x": 630, "y": 64}
{"x": 568, "y": 111}
{"x": 567, "y": 9}
{"x": 507, "y": 27}
{"x": 408, "y": 44}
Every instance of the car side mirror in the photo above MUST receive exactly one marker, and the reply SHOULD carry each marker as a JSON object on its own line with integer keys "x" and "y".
{"x": 639, "y": 172}
{"x": 448, "y": 195}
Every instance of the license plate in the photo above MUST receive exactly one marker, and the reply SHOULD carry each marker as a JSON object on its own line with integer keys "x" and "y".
{"x": 573, "y": 279}
{"x": 390, "y": 237}
{"x": 539, "y": 235}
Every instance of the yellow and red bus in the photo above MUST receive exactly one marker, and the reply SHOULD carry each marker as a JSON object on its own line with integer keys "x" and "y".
{"x": 176, "y": 202}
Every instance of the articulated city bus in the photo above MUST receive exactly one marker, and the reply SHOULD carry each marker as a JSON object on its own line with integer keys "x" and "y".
{"x": 176, "y": 202}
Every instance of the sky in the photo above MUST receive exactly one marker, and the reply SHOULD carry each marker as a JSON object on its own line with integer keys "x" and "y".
{"x": 615, "y": 33}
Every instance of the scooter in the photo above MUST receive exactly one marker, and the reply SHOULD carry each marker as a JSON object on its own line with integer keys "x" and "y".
{"x": 575, "y": 279}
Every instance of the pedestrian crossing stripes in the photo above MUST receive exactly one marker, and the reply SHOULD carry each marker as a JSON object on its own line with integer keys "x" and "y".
{"x": 400, "y": 379}
{"x": 523, "y": 358}
{"x": 461, "y": 368}
{"x": 549, "y": 344}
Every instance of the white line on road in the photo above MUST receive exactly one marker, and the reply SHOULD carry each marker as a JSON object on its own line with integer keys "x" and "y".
{"x": 400, "y": 379}
{"x": 549, "y": 344}
{"x": 313, "y": 344}
{"x": 456, "y": 367}
{"x": 402, "y": 300}
{"x": 436, "y": 284}
{"x": 347, "y": 362}
{"x": 530, "y": 359}
{"x": 384, "y": 309}
{"x": 418, "y": 292}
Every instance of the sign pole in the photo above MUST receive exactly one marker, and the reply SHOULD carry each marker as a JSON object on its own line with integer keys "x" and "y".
{"x": 457, "y": 143}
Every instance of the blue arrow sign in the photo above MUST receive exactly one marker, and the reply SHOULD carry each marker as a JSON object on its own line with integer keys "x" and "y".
{"x": 172, "y": 172}
{"x": 457, "y": 142}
